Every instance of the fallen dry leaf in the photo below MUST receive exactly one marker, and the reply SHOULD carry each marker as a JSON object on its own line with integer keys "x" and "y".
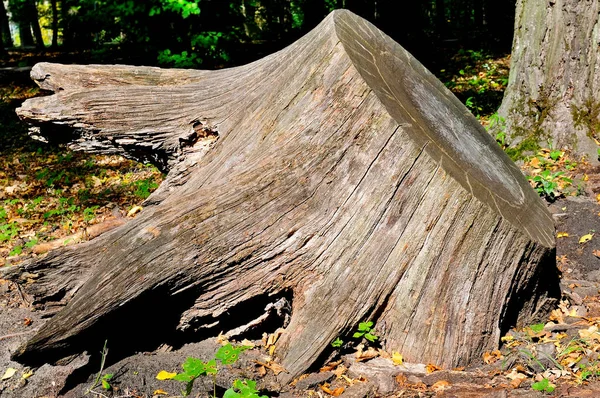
{"x": 339, "y": 371}
{"x": 160, "y": 392}
{"x": 430, "y": 368}
{"x": 440, "y": 385}
{"x": 366, "y": 355}
{"x": 164, "y": 375}
{"x": 26, "y": 375}
{"x": 27, "y": 321}
{"x": 330, "y": 366}
{"x": 275, "y": 367}
{"x": 586, "y": 238}
{"x": 10, "y": 372}
{"x": 590, "y": 333}
{"x": 134, "y": 210}
{"x": 262, "y": 371}
{"x": 596, "y": 253}
{"x": 397, "y": 358}
{"x": 491, "y": 357}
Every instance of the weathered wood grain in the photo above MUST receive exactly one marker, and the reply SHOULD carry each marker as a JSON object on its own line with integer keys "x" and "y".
{"x": 338, "y": 169}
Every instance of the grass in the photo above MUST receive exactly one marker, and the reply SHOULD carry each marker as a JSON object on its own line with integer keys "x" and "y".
{"x": 48, "y": 192}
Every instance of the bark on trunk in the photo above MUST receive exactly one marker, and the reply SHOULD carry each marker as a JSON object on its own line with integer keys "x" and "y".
{"x": 338, "y": 172}
{"x": 54, "y": 8}
{"x": 554, "y": 84}
{"x": 4, "y": 28}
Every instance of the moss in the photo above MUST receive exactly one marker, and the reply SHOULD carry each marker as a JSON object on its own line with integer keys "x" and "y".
{"x": 529, "y": 144}
{"x": 588, "y": 117}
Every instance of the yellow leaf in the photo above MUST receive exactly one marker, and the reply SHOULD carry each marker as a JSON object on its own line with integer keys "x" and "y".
{"x": 397, "y": 358}
{"x": 598, "y": 198}
{"x": 562, "y": 235}
{"x": 586, "y": 238}
{"x": 160, "y": 392}
{"x": 585, "y": 177}
{"x": 134, "y": 210}
{"x": 10, "y": 372}
{"x": 26, "y": 375}
{"x": 164, "y": 375}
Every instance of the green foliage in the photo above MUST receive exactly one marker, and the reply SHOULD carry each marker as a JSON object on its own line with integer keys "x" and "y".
{"x": 543, "y": 385}
{"x": 243, "y": 389}
{"x": 537, "y": 328}
{"x": 337, "y": 343}
{"x": 227, "y": 355}
{"x": 102, "y": 379}
{"x": 144, "y": 187}
{"x": 546, "y": 183}
{"x": 105, "y": 381}
{"x": 365, "y": 330}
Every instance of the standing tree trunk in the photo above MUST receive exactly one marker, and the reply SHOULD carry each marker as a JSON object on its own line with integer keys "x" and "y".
{"x": 54, "y": 7}
{"x": 338, "y": 173}
{"x": 554, "y": 85}
{"x": 6, "y": 39}
{"x": 34, "y": 20}
{"x": 25, "y": 34}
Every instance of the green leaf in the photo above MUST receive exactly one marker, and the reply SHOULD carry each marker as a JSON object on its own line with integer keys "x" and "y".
{"x": 229, "y": 354}
{"x": 365, "y": 326}
{"x": 183, "y": 377}
{"x": 358, "y": 335}
{"x": 337, "y": 342}
{"x": 230, "y": 393}
{"x": 194, "y": 367}
{"x": 537, "y": 328}
{"x": 371, "y": 337}
{"x": 543, "y": 385}
{"x": 211, "y": 367}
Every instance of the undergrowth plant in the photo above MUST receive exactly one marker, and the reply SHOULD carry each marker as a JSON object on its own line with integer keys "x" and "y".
{"x": 194, "y": 368}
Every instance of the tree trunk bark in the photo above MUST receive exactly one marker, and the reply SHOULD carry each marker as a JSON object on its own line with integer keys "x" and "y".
{"x": 4, "y": 28}
{"x": 34, "y": 20}
{"x": 554, "y": 84}
{"x": 54, "y": 6}
{"x": 338, "y": 173}
{"x": 25, "y": 34}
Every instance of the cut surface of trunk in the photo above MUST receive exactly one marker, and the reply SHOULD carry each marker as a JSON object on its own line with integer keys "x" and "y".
{"x": 337, "y": 174}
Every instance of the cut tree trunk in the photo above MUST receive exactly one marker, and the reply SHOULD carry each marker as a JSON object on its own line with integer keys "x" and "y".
{"x": 554, "y": 85}
{"x": 338, "y": 173}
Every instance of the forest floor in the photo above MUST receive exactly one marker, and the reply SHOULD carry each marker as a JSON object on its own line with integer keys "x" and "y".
{"x": 50, "y": 197}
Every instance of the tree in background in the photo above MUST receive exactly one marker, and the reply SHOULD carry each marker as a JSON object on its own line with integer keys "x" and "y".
{"x": 5, "y": 38}
{"x": 25, "y": 14}
{"x": 212, "y": 34}
{"x": 554, "y": 85}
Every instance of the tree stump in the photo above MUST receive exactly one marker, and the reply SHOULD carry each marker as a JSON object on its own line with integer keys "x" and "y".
{"x": 337, "y": 173}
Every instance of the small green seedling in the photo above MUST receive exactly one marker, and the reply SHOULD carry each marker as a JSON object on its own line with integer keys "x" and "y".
{"x": 364, "y": 330}
{"x": 337, "y": 343}
{"x": 543, "y": 385}
{"x": 105, "y": 384}
{"x": 243, "y": 389}
{"x": 100, "y": 378}
{"x": 194, "y": 368}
